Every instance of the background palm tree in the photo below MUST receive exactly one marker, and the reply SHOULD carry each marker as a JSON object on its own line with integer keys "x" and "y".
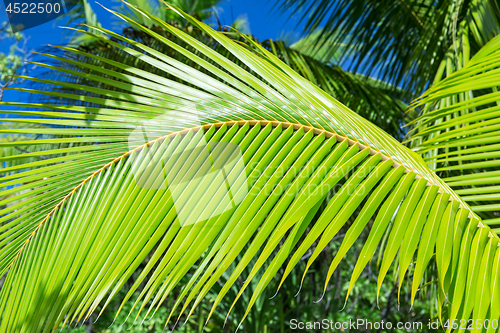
{"x": 407, "y": 43}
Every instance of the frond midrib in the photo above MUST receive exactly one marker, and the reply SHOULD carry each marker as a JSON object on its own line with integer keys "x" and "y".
{"x": 296, "y": 126}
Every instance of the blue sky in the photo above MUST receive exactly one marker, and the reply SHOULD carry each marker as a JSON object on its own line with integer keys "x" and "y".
{"x": 264, "y": 21}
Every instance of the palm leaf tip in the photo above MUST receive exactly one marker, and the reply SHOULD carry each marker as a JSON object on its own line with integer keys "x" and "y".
{"x": 305, "y": 167}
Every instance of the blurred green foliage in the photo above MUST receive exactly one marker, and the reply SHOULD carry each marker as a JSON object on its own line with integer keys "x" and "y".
{"x": 11, "y": 62}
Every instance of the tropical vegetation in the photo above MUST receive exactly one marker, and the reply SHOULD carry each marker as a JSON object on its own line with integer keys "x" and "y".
{"x": 178, "y": 172}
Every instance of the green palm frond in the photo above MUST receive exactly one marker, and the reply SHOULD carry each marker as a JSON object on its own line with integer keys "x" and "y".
{"x": 378, "y": 102}
{"x": 457, "y": 133}
{"x": 224, "y": 162}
